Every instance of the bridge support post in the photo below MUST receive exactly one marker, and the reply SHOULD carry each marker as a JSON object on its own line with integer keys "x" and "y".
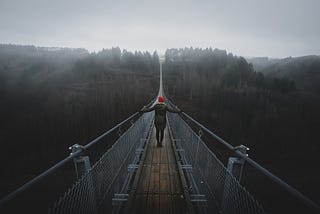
{"x": 81, "y": 163}
{"x": 235, "y": 167}
{"x": 235, "y": 164}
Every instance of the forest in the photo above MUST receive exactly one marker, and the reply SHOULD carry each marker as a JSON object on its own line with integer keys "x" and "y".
{"x": 52, "y": 98}
{"x": 276, "y": 116}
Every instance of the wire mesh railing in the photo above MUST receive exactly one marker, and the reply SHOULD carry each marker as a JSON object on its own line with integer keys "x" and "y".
{"x": 211, "y": 185}
{"x": 106, "y": 183}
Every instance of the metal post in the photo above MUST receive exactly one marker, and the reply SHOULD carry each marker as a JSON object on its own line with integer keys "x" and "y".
{"x": 81, "y": 163}
{"x": 235, "y": 167}
{"x": 235, "y": 164}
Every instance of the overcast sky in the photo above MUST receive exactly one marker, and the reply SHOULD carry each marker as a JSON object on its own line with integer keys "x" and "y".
{"x": 275, "y": 28}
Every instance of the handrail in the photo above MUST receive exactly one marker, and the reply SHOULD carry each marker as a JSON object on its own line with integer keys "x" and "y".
{"x": 294, "y": 192}
{"x": 219, "y": 139}
{"x": 61, "y": 163}
{"x": 87, "y": 146}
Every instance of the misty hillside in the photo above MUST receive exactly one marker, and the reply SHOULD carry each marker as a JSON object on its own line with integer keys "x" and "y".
{"x": 52, "y": 98}
{"x": 277, "y": 121}
{"x": 304, "y": 71}
{"x": 260, "y": 63}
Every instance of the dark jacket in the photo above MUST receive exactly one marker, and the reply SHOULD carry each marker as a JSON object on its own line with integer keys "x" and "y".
{"x": 161, "y": 109}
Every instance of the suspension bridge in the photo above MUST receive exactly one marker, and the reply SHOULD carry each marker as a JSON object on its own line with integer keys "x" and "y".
{"x": 136, "y": 176}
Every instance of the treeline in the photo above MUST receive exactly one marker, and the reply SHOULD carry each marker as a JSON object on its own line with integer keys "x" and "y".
{"x": 52, "y": 98}
{"x": 304, "y": 71}
{"x": 270, "y": 115}
{"x": 220, "y": 69}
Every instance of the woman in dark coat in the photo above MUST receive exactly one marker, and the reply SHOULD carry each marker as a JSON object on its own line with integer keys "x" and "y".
{"x": 160, "y": 120}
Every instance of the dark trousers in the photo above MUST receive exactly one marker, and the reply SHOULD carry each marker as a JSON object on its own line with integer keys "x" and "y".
{"x": 159, "y": 135}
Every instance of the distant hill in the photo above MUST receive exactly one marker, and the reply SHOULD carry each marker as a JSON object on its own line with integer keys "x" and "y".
{"x": 304, "y": 71}
{"x": 260, "y": 63}
{"x": 30, "y": 51}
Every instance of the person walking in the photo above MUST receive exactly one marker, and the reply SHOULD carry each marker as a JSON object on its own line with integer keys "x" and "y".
{"x": 160, "y": 120}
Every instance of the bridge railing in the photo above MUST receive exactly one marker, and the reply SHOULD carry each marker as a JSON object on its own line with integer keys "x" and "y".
{"x": 212, "y": 187}
{"x": 105, "y": 185}
{"x": 205, "y": 169}
{"x": 33, "y": 196}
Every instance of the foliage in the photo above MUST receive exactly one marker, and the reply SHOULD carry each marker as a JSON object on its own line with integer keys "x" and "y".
{"x": 52, "y": 98}
{"x": 269, "y": 114}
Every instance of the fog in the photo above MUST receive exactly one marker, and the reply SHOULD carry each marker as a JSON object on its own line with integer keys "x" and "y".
{"x": 275, "y": 28}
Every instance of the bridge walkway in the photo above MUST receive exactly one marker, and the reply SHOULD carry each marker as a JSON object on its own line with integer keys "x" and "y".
{"x": 157, "y": 187}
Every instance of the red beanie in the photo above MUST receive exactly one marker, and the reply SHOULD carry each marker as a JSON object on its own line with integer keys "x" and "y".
{"x": 160, "y": 99}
